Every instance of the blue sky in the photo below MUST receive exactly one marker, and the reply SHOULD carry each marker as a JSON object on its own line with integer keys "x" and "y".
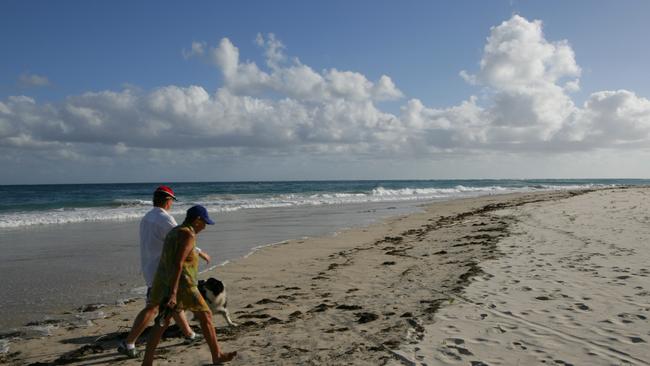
{"x": 56, "y": 53}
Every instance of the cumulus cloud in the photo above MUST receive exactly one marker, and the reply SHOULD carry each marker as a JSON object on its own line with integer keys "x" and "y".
{"x": 517, "y": 58}
{"x": 527, "y": 79}
{"x": 32, "y": 80}
{"x": 188, "y": 117}
{"x": 294, "y": 79}
{"x": 611, "y": 118}
{"x": 274, "y": 50}
{"x": 527, "y": 108}
{"x": 196, "y": 50}
{"x": 285, "y": 107}
{"x": 522, "y": 70}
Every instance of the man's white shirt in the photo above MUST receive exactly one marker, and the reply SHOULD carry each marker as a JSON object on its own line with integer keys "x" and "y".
{"x": 154, "y": 227}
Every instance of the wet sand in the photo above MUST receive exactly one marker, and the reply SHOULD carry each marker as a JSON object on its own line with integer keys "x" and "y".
{"x": 382, "y": 294}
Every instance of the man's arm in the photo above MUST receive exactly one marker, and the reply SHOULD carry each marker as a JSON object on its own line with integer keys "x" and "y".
{"x": 204, "y": 255}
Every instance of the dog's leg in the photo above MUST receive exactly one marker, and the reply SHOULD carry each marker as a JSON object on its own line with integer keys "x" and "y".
{"x": 226, "y": 315}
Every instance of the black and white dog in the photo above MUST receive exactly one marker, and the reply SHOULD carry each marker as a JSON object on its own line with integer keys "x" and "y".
{"x": 214, "y": 293}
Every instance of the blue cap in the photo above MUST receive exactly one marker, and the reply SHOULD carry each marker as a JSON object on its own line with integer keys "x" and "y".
{"x": 199, "y": 211}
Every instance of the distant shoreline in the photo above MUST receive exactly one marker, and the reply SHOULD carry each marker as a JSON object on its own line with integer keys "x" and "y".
{"x": 43, "y": 205}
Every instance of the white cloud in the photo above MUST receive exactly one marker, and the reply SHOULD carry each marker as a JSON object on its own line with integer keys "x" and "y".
{"x": 33, "y": 80}
{"x": 517, "y": 58}
{"x": 572, "y": 86}
{"x": 295, "y": 79}
{"x": 522, "y": 70}
{"x": 196, "y": 50}
{"x": 242, "y": 77}
{"x": 526, "y": 79}
{"x": 611, "y": 118}
{"x": 285, "y": 107}
{"x": 274, "y": 50}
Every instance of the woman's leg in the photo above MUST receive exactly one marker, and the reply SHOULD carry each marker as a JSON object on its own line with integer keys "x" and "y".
{"x": 205, "y": 318}
{"x": 152, "y": 342}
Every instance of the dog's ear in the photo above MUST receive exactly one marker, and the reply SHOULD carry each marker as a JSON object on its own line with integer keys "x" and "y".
{"x": 201, "y": 282}
{"x": 215, "y": 285}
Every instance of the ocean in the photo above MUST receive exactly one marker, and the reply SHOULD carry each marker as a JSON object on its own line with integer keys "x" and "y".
{"x": 30, "y": 205}
{"x": 64, "y": 246}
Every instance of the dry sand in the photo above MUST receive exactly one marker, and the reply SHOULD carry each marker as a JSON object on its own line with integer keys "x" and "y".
{"x": 572, "y": 288}
{"x": 401, "y": 292}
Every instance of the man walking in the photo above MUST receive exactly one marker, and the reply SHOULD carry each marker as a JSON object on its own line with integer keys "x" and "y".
{"x": 154, "y": 226}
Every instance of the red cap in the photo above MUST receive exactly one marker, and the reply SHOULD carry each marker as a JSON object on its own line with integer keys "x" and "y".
{"x": 168, "y": 191}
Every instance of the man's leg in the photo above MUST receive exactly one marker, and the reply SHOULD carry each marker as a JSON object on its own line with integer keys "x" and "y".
{"x": 181, "y": 321}
{"x": 141, "y": 322}
{"x": 144, "y": 318}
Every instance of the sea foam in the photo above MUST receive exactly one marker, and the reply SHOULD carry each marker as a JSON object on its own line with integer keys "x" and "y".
{"x": 131, "y": 209}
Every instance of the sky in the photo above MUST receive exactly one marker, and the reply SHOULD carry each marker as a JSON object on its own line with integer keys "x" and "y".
{"x": 153, "y": 91}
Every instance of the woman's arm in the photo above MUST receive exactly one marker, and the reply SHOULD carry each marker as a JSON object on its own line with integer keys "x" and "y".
{"x": 187, "y": 242}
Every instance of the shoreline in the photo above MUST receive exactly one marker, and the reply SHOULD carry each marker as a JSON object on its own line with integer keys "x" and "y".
{"x": 345, "y": 275}
{"x": 98, "y": 263}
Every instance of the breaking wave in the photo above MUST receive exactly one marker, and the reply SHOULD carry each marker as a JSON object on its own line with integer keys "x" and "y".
{"x": 134, "y": 208}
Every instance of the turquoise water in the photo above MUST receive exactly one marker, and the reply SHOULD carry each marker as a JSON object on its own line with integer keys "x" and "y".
{"x": 27, "y": 205}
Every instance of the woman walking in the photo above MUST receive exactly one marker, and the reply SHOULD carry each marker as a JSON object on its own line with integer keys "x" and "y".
{"x": 175, "y": 284}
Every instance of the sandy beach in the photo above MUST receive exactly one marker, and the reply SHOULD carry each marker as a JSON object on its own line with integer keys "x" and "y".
{"x": 540, "y": 278}
{"x": 570, "y": 288}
